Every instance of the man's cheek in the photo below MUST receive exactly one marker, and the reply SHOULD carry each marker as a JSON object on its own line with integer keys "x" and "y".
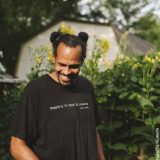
{"x": 58, "y": 69}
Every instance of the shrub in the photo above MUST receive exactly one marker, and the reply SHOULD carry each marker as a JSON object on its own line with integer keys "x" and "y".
{"x": 10, "y": 96}
{"x": 128, "y": 94}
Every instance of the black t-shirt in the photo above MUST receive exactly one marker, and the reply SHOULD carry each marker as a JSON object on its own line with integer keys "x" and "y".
{"x": 57, "y": 122}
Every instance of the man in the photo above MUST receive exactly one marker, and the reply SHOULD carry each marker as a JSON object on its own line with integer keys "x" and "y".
{"x": 57, "y": 116}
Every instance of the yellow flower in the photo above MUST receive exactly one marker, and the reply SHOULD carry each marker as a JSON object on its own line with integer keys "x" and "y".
{"x": 135, "y": 66}
{"x": 47, "y": 48}
{"x": 153, "y": 60}
{"x": 121, "y": 56}
{"x": 107, "y": 63}
{"x": 66, "y": 29}
{"x": 38, "y": 59}
{"x": 149, "y": 59}
{"x": 105, "y": 44}
{"x": 158, "y": 53}
{"x": 50, "y": 56}
{"x": 157, "y": 58}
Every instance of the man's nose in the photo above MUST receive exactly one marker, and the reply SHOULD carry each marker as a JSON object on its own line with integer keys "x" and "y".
{"x": 67, "y": 70}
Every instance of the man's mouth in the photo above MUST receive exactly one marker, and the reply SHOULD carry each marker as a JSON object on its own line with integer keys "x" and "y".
{"x": 65, "y": 77}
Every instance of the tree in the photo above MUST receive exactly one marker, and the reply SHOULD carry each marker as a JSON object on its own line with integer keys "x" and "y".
{"x": 148, "y": 27}
{"x": 119, "y": 12}
{"x": 20, "y": 20}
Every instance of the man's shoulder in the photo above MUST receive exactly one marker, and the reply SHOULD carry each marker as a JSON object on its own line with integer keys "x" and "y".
{"x": 37, "y": 83}
{"x": 83, "y": 80}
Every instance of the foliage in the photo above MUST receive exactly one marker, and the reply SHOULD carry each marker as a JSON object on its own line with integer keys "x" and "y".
{"x": 151, "y": 31}
{"x": 119, "y": 12}
{"x": 10, "y": 95}
{"x": 42, "y": 61}
{"x": 93, "y": 63}
{"x": 128, "y": 93}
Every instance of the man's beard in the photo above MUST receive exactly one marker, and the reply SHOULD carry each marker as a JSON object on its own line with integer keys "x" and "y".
{"x": 72, "y": 77}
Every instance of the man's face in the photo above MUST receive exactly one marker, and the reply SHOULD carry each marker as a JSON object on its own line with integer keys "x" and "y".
{"x": 67, "y": 64}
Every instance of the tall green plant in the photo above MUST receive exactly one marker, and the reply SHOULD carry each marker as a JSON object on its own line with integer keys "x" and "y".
{"x": 129, "y": 95}
{"x": 42, "y": 61}
{"x": 92, "y": 65}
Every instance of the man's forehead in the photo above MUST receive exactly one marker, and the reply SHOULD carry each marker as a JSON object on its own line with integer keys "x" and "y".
{"x": 62, "y": 44}
{"x": 68, "y": 61}
{"x": 68, "y": 51}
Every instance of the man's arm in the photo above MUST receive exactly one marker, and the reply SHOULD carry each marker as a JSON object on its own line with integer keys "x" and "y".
{"x": 20, "y": 150}
{"x": 100, "y": 148}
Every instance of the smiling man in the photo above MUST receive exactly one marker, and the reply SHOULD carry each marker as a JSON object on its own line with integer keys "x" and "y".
{"x": 57, "y": 117}
{"x": 67, "y": 64}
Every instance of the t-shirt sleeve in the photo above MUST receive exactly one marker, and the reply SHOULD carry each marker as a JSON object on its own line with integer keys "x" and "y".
{"x": 24, "y": 125}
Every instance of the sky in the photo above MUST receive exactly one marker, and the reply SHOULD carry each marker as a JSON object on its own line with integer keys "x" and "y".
{"x": 153, "y": 5}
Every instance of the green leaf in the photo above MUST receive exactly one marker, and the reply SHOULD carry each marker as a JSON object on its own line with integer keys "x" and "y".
{"x": 156, "y": 120}
{"x": 102, "y": 127}
{"x": 123, "y": 95}
{"x": 143, "y": 132}
{"x": 134, "y": 78}
{"x": 118, "y": 146}
{"x": 115, "y": 125}
{"x": 133, "y": 148}
{"x": 154, "y": 98}
{"x": 149, "y": 122}
{"x": 140, "y": 130}
{"x": 135, "y": 110}
{"x": 145, "y": 102}
{"x": 132, "y": 96}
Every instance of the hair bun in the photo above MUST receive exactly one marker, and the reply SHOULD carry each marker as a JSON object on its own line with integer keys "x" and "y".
{"x": 83, "y": 36}
{"x": 54, "y": 36}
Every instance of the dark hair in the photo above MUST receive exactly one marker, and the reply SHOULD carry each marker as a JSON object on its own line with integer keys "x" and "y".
{"x": 70, "y": 40}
